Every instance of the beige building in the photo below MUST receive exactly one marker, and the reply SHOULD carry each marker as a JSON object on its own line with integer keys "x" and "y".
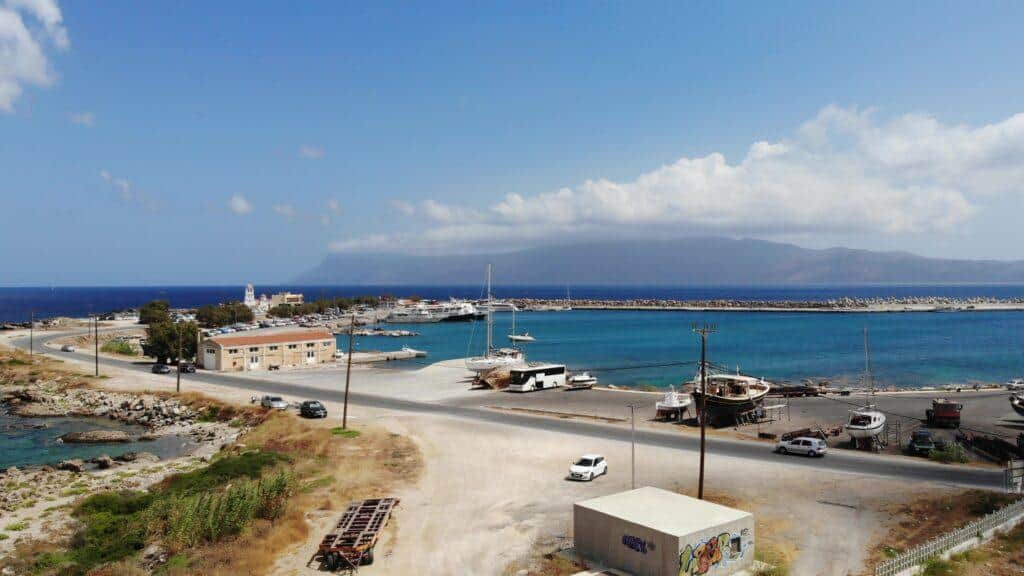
{"x": 285, "y": 298}
{"x": 267, "y": 350}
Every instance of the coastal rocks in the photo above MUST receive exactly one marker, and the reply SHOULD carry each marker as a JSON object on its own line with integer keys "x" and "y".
{"x": 96, "y": 437}
{"x": 26, "y": 410}
{"x": 74, "y": 465}
{"x": 153, "y": 556}
{"x": 103, "y": 462}
{"x": 137, "y": 457}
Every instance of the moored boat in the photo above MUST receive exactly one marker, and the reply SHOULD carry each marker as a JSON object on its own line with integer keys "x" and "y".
{"x": 494, "y": 357}
{"x": 728, "y": 396}
{"x": 868, "y": 422}
{"x": 582, "y": 380}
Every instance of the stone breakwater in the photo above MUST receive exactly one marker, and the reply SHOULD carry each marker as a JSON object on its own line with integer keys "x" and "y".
{"x": 43, "y": 399}
{"x": 893, "y": 304}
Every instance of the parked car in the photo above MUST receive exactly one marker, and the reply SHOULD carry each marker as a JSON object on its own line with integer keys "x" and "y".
{"x": 67, "y": 348}
{"x": 588, "y": 467}
{"x": 312, "y": 409}
{"x": 802, "y": 445}
{"x": 161, "y": 369}
{"x": 274, "y": 402}
{"x": 1015, "y": 384}
{"x": 187, "y": 367}
{"x": 921, "y": 442}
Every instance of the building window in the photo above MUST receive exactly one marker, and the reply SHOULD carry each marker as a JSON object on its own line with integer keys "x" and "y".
{"x": 254, "y": 349}
{"x": 211, "y": 350}
{"x": 293, "y": 346}
{"x": 326, "y": 344}
{"x": 232, "y": 350}
{"x": 310, "y": 344}
{"x": 271, "y": 348}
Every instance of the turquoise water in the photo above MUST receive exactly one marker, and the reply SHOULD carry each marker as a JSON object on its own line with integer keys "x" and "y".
{"x": 23, "y": 444}
{"x": 908, "y": 349}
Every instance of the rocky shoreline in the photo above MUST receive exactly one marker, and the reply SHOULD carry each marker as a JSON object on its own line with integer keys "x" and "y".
{"x": 893, "y": 304}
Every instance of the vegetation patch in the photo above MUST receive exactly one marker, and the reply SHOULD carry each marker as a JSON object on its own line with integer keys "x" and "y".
{"x": 118, "y": 347}
{"x": 952, "y": 453}
{"x": 16, "y": 526}
{"x": 345, "y": 432}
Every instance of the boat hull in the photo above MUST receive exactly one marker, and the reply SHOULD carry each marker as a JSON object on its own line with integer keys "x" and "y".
{"x": 722, "y": 411}
{"x": 1017, "y": 404}
{"x": 861, "y": 433}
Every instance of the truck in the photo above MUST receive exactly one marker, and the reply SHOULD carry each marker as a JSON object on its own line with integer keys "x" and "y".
{"x": 944, "y": 413}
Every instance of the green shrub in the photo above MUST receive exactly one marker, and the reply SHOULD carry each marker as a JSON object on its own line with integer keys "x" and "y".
{"x": 248, "y": 464}
{"x": 345, "y": 432}
{"x": 952, "y": 453}
{"x": 118, "y": 347}
{"x": 16, "y": 526}
{"x": 937, "y": 567}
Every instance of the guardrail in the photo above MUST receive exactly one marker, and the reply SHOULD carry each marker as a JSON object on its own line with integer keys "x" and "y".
{"x": 941, "y": 544}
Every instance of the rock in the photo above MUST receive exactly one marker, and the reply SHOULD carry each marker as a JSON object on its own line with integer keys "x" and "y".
{"x": 154, "y": 555}
{"x": 147, "y": 438}
{"x": 96, "y": 436}
{"x": 137, "y": 457}
{"x": 103, "y": 462}
{"x": 12, "y": 472}
{"x": 75, "y": 465}
{"x": 37, "y": 410}
{"x": 47, "y": 469}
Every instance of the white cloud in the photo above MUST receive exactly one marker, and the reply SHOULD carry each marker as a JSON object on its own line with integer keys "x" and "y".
{"x": 403, "y": 207}
{"x": 128, "y": 194}
{"x": 286, "y": 210}
{"x": 334, "y": 206}
{"x": 83, "y": 118}
{"x": 239, "y": 205}
{"x": 312, "y": 152}
{"x": 844, "y": 171}
{"x": 23, "y": 46}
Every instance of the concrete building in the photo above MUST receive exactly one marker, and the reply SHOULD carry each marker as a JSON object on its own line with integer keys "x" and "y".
{"x": 285, "y": 298}
{"x": 267, "y": 349}
{"x": 653, "y": 532}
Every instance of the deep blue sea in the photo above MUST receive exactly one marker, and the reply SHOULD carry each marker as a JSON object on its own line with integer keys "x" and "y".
{"x": 908, "y": 349}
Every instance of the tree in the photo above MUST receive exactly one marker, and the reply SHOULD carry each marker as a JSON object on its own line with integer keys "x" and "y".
{"x": 162, "y": 340}
{"x": 224, "y": 314}
{"x": 155, "y": 312}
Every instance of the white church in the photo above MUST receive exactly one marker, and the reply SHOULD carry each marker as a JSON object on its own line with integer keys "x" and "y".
{"x": 257, "y": 306}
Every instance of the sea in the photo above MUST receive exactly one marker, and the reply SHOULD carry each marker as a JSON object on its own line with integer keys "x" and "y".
{"x": 658, "y": 348}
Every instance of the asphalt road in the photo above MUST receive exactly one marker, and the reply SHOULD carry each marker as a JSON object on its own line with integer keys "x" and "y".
{"x": 838, "y": 461}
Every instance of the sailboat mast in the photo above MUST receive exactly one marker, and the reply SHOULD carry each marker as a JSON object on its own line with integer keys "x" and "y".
{"x": 490, "y": 314}
{"x": 867, "y": 364}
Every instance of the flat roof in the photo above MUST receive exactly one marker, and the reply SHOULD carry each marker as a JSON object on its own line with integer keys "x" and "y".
{"x": 537, "y": 367}
{"x": 663, "y": 511}
{"x": 271, "y": 337}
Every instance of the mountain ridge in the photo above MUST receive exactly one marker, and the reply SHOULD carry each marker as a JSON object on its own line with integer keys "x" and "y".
{"x": 682, "y": 261}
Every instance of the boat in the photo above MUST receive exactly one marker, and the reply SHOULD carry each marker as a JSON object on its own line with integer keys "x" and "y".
{"x": 672, "y": 406}
{"x": 524, "y": 337}
{"x": 728, "y": 396}
{"x": 458, "y": 311}
{"x": 867, "y": 422}
{"x": 581, "y": 381}
{"x": 418, "y": 314}
{"x": 494, "y": 357}
{"x": 1017, "y": 402}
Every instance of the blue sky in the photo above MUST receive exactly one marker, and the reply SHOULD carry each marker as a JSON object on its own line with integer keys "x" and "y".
{"x": 230, "y": 142}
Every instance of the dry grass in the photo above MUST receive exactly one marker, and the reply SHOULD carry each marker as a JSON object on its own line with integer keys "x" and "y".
{"x": 551, "y": 564}
{"x": 332, "y": 471}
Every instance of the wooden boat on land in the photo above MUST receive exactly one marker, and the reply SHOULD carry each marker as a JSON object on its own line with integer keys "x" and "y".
{"x": 728, "y": 396}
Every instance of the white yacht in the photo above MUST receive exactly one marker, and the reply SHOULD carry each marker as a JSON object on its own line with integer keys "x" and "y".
{"x": 494, "y": 357}
{"x": 417, "y": 314}
{"x": 672, "y": 405}
{"x": 515, "y": 337}
{"x": 866, "y": 422}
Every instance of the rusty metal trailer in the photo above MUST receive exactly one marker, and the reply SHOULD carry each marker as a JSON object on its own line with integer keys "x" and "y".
{"x": 350, "y": 543}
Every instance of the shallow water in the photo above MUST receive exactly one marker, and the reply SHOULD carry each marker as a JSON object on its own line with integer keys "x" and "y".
{"x": 21, "y": 444}
{"x": 907, "y": 349}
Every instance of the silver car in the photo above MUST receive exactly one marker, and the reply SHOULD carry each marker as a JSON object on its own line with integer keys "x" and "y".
{"x": 805, "y": 446}
{"x": 274, "y": 402}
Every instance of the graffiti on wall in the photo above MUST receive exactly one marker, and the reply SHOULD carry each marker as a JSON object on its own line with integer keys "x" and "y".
{"x": 698, "y": 559}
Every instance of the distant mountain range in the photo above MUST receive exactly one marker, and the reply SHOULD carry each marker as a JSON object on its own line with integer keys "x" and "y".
{"x": 685, "y": 261}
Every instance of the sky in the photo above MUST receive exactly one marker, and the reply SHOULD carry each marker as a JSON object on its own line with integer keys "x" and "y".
{"x": 232, "y": 142}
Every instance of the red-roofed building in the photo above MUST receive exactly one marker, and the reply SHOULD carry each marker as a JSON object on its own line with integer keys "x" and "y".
{"x": 263, "y": 350}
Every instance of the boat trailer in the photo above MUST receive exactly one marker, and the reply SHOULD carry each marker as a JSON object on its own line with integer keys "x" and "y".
{"x": 350, "y": 543}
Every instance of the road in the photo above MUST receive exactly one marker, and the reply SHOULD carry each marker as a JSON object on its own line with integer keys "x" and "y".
{"x": 838, "y": 461}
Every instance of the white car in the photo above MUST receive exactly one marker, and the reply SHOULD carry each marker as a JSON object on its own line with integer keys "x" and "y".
{"x": 588, "y": 467}
{"x": 67, "y": 348}
{"x": 805, "y": 446}
{"x": 274, "y": 402}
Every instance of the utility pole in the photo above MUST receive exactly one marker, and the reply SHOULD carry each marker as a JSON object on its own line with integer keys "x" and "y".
{"x": 177, "y": 387}
{"x": 31, "y": 333}
{"x": 348, "y": 371}
{"x": 96, "y": 342}
{"x": 632, "y": 440}
{"x": 703, "y": 332}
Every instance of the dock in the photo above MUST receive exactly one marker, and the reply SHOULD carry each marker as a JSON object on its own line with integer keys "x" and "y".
{"x": 374, "y": 356}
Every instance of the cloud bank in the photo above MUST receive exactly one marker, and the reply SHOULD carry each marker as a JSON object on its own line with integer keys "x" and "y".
{"x": 28, "y": 30}
{"x": 844, "y": 171}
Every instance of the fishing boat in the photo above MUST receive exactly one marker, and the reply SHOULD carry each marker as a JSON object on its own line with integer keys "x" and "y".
{"x": 494, "y": 357}
{"x": 867, "y": 422}
{"x": 672, "y": 406}
{"x": 728, "y": 396}
{"x": 581, "y": 380}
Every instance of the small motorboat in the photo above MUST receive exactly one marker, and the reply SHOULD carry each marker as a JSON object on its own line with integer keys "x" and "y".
{"x": 581, "y": 381}
{"x": 524, "y": 337}
{"x": 1017, "y": 402}
{"x": 672, "y": 406}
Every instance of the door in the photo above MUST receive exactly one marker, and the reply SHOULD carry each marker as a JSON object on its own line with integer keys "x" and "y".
{"x": 254, "y": 362}
{"x": 310, "y": 356}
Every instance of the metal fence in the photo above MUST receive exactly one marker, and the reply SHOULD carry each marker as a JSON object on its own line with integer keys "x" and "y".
{"x": 945, "y": 542}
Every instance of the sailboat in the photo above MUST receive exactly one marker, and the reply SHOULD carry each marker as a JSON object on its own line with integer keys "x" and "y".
{"x": 514, "y": 337}
{"x": 494, "y": 357}
{"x": 866, "y": 422}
